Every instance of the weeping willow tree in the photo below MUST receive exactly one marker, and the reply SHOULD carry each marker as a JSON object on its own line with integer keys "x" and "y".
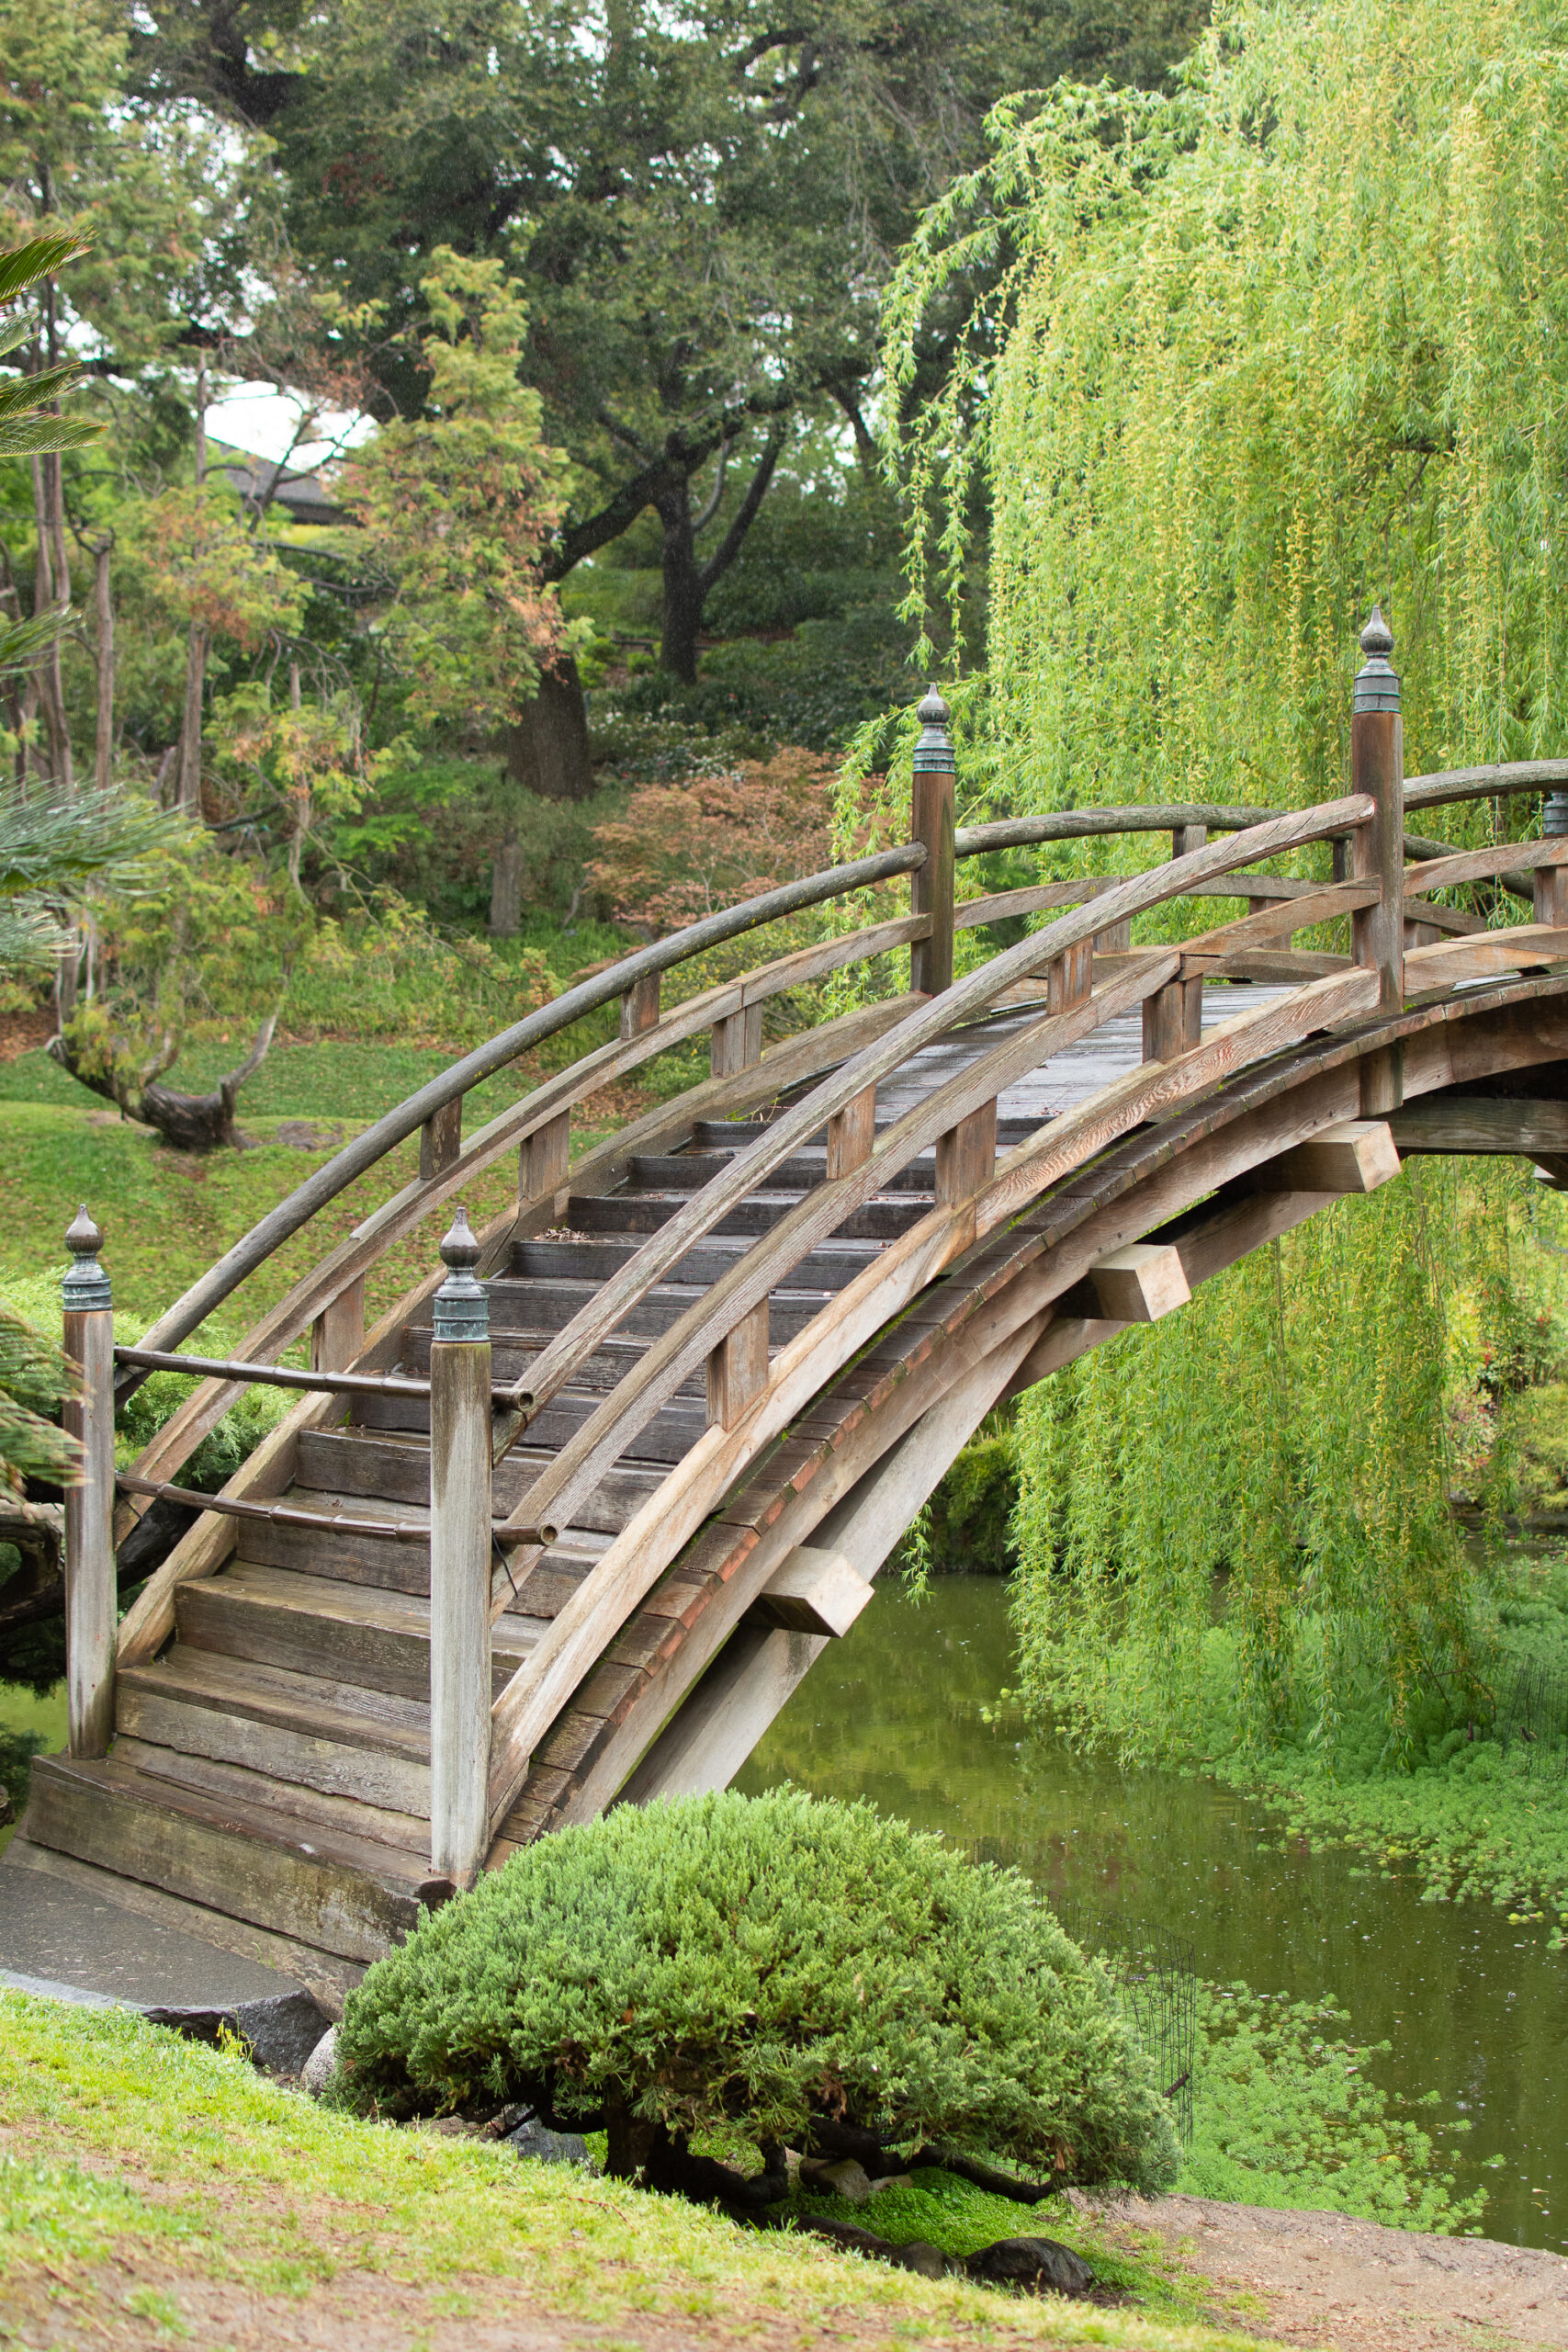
{"x": 1236, "y": 362}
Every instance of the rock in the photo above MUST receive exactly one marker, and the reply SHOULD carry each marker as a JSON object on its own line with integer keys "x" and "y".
{"x": 844, "y": 2174}
{"x": 280, "y": 2032}
{"x": 891, "y": 2180}
{"x": 534, "y": 2139}
{"x": 1042, "y": 2265}
{"x": 919, "y": 2256}
{"x": 318, "y": 2069}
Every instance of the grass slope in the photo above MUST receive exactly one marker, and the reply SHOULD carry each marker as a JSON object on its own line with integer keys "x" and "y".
{"x": 141, "y": 2172}
{"x": 167, "y": 1215}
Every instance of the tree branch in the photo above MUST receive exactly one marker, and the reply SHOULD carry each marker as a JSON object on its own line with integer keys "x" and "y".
{"x": 685, "y": 450}
{"x": 730, "y": 547}
{"x": 711, "y": 509}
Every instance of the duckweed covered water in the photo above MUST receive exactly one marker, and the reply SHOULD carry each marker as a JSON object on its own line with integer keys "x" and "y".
{"x": 905, "y": 1711}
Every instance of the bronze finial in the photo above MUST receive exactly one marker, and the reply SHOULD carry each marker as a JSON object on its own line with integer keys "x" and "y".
{"x": 461, "y": 1307}
{"x": 1377, "y": 686}
{"x": 85, "y": 1284}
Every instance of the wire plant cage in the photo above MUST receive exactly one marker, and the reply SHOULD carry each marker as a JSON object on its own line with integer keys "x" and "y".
{"x": 1532, "y": 1719}
{"x": 1155, "y": 1978}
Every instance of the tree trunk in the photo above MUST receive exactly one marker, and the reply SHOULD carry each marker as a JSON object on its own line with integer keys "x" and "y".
{"x": 103, "y": 607}
{"x": 683, "y": 586}
{"x": 188, "y": 1122}
{"x": 49, "y": 592}
{"x": 187, "y": 794}
{"x": 506, "y": 886}
{"x": 547, "y": 743}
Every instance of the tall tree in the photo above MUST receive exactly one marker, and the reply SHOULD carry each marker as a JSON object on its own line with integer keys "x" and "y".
{"x": 699, "y": 208}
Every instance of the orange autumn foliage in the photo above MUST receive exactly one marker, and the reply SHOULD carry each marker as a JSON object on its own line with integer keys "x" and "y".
{"x": 683, "y": 850}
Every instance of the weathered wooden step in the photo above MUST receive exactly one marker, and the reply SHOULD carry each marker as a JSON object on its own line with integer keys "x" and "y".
{"x": 729, "y": 1136}
{"x": 357, "y": 1633}
{"x": 593, "y": 1257}
{"x": 262, "y": 1791}
{"x": 334, "y": 1736}
{"x": 512, "y": 1352}
{"x": 371, "y": 1560}
{"x": 668, "y": 1437}
{"x": 341, "y": 1893}
{"x": 688, "y": 1171}
{"x": 385, "y": 1463}
{"x": 881, "y": 1219}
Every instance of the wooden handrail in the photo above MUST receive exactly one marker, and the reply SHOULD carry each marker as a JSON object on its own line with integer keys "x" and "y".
{"x": 1087, "y": 824}
{"x": 331, "y": 1522}
{"x": 970, "y": 996}
{"x": 1511, "y": 776}
{"x": 351, "y": 1258}
{"x": 254, "y": 1247}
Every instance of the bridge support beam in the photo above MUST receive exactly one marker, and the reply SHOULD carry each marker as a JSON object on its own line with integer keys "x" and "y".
{"x": 1354, "y": 1155}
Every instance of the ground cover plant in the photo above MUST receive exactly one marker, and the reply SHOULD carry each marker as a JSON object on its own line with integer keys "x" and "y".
{"x": 1481, "y": 1814}
{"x": 146, "y": 2179}
{"x": 766, "y": 1972}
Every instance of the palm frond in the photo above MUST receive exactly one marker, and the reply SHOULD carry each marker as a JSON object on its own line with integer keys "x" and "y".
{"x": 31, "y": 936}
{"x": 21, "y": 642}
{"x": 52, "y": 846}
{"x": 23, "y": 266}
{"x": 34, "y": 1377}
{"x": 46, "y": 432}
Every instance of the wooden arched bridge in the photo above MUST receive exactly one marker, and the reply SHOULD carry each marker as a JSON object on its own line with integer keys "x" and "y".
{"x": 687, "y": 1394}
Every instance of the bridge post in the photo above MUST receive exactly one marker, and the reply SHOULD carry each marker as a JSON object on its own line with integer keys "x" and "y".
{"x": 1552, "y": 881}
{"x": 460, "y": 1563}
{"x": 1377, "y": 768}
{"x": 936, "y": 766}
{"x": 91, "y": 1599}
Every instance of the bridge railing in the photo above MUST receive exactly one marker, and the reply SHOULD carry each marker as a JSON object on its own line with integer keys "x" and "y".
{"x": 1081, "y": 970}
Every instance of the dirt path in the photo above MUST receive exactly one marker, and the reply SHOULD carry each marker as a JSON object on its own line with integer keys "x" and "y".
{"x": 1323, "y": 2280}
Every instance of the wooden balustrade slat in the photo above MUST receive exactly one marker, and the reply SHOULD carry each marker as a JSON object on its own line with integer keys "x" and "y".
{"x": 440, "y": 1140}
{"x": 639, "y": 1007}
{"x": 736, "y": 1042}
{"x": 850, "y": 1133}
{"x": 738, "y": 1368}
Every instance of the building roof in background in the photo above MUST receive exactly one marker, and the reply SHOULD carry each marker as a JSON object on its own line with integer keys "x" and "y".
{"x": 304, "y": 497}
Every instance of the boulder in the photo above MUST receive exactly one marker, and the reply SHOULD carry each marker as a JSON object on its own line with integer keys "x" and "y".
{"x": 280, "y": 2032}
{"x": 845, "y": 2174}
{"x": 316, "y": 2071}
{"x": 532, "y": 2138}
{"x": 919, "y": 2255}
{"x": 1043, "y": 2265}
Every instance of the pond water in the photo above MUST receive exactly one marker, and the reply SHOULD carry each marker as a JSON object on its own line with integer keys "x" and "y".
{"x": 1476, "y": 2010}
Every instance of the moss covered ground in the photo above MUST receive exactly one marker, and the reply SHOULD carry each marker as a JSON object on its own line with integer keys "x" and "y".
{"x": 153, "y": 2190}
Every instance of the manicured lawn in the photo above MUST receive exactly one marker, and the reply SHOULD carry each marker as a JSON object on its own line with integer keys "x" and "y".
{"x": 155, "y": 2190}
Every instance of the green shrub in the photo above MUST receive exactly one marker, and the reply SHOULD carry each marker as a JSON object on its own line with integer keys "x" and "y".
{"x": 758, "y": 1971}
{"x": 971, "y": 1525}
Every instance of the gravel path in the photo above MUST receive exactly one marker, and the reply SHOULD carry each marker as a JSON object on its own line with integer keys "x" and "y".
{"x": 1324, "y": 2281}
